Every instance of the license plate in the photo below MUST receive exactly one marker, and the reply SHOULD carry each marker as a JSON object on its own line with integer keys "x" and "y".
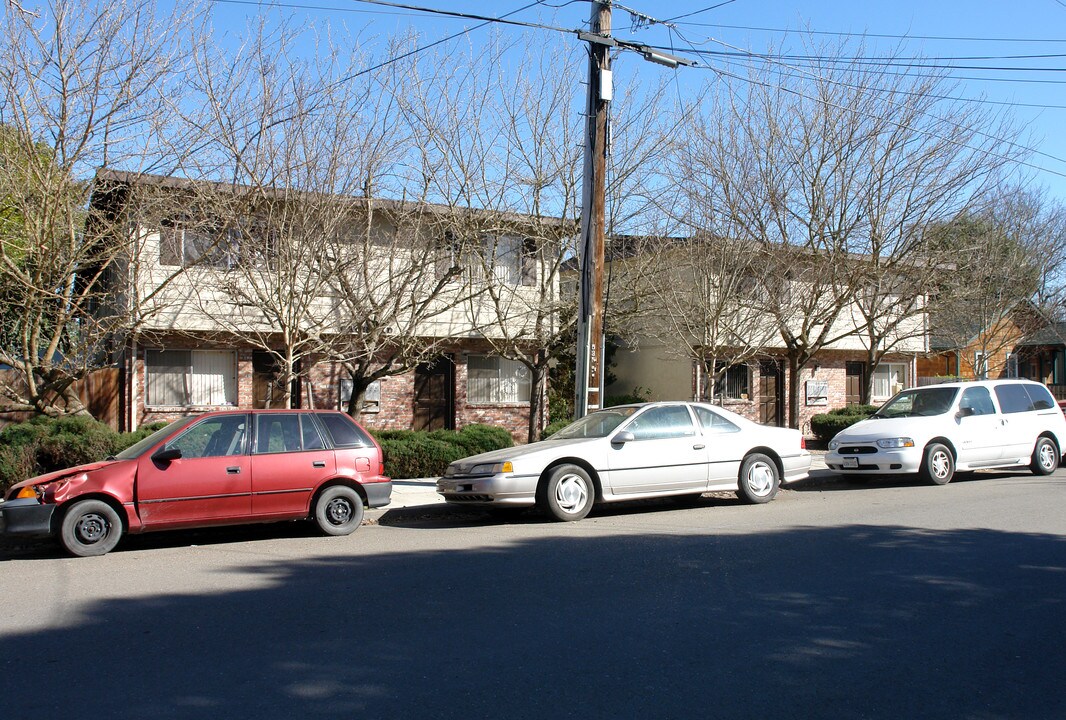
{"x": 850, "y": 462}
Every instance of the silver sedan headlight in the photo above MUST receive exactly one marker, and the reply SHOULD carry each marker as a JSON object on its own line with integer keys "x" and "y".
{"x": 893, "y": 443}
{"x": 834, "y": 444}
{"x": 492, "y": 468}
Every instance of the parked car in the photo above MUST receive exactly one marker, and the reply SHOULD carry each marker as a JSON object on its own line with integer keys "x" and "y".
{"x": 219, "y": 468}
{"x": 938, "y": 430}
{"x": 629, "y": 452}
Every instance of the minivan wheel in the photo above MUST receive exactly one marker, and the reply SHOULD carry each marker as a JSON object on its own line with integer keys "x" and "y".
{"x": 938, "y": 465}
{"x": 1045, "y": 457}
{"x": 90, "y": 528}
{"x": 568, "y": 493}
{"x": 338, "y": 510}
{"x": 758, "y": 481}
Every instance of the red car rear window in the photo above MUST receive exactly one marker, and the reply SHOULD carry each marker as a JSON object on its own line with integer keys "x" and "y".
{"x": 344, "y": 432}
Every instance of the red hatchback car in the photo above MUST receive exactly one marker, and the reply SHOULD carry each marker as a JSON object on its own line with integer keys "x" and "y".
{"x": 219, "y": 468}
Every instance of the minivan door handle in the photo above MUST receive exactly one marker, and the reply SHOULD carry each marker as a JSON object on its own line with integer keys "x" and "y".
{"x": 698, "y": 446}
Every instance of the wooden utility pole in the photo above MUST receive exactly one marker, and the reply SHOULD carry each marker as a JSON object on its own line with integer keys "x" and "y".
{"x": 590, "y": 359}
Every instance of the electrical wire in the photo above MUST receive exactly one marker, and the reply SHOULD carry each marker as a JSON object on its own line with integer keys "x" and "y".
{"x": 903, "y": 126}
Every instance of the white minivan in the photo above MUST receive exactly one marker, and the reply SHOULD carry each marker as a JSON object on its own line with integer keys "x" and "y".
{"x": 937, "y": 430}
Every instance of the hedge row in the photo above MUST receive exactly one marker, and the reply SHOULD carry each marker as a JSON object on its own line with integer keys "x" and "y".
{"x": 827, "y": 425}
{"x": 413, "y": 454}
{"x": 45, "y": 444}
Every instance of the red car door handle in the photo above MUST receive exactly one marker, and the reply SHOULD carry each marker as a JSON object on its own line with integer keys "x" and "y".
{"x": 318, "y": 464}
{"x": 233, "y": 470}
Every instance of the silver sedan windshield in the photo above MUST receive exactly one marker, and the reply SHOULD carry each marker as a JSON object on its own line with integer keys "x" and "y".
{"x": 596, "y": 425}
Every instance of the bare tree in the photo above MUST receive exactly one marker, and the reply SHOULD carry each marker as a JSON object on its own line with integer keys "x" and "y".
{"x": 829, "y": 171}
{"x": 82, "y": 86}
{"x": 992, "y": 275}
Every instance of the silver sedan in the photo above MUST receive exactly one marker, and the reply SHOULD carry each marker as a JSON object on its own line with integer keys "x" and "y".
{"x": 631, "y": 452}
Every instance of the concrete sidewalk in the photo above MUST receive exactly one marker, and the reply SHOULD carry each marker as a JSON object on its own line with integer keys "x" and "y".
{"x": 419, "y": 492}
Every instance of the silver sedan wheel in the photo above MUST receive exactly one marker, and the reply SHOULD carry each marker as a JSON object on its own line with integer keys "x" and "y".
{"x": 758, "y": 481}
{"x": 572, "y": 493}
{"x": 760, "y": 478}
{"x": 567, "y": 493}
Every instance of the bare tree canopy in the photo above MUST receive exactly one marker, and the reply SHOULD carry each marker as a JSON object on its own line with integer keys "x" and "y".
{"x": 826, "y": 178}
{"x": 82, "y": 85}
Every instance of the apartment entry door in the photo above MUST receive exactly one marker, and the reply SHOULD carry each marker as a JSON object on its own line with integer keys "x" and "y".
{"x": 855, "y": 377}
{"x": 771, "y": 393}
{"x": 434, "y": 401}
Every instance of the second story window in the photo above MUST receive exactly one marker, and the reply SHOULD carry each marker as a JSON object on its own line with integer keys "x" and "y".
{"x": 507, "y": 260}
{"x": 184, "y": 246}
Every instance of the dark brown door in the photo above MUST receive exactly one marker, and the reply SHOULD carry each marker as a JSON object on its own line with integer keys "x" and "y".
{"x": 266, "y": 386}
{"x": 771, "y": 389}
{"x": 435, "y": 395}
{"x": 854, "y": 373}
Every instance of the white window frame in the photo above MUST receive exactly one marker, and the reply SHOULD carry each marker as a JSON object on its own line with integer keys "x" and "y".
{"x": 980, "y": 365}
{"x": 1011, "y": 366}
{"x": 894, "y": 379}
{"x": 498, "y": 382}
{"x": 214, "y": 385}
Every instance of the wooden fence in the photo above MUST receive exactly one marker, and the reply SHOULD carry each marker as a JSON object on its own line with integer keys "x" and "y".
{"x": 100, "y": 391}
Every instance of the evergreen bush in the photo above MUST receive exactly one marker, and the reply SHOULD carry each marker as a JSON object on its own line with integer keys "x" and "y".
{"x": 826, "y": 425}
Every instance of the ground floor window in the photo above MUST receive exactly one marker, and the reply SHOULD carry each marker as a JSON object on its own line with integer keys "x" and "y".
{"x": 733, "y": 384}
{"x": 190, "y": 378}
{"x": 492, "y": 379}
{"x": 889, "y": 379}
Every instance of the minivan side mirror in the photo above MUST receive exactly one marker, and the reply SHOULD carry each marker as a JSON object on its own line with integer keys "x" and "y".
{"x": 166, "y": 454}
{"x": 965, "y": 412}
{"x": 622, "y": 438}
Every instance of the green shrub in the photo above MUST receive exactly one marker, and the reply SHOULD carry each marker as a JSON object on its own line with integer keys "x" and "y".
{"x": 553, "y": 427}
{"x": 486, "y": 437}
{"x": 411, "y": 454}
{"x": 45, "y": 444}
{"x": 419, "y": 456}
{"x": 125, "y": 440}
{"x": 639, "y": 395}
{"x": 17, "y": 463}
{"x": 827, "y": 425}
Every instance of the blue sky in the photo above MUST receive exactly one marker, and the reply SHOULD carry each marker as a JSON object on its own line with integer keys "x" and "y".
{"x": 1032, "y": 88}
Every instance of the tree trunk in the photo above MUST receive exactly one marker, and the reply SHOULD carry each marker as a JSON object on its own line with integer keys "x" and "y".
{"x": 794, "y": 369}
{"x": 536, "y": 396}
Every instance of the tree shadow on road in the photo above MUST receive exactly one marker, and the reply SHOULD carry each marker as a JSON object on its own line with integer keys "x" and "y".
{"x": 849, "y": 622}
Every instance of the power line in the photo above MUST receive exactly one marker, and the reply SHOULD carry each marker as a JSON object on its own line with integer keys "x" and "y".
{"x": 839, "y": 33}
{"x": 900, "y": 125}
{"x": 469, "y": 16}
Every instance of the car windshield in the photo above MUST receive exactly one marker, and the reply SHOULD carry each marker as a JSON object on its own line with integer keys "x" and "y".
{"x": 141, "y": 446}
{"x": 919, "y": 402}
{"x": 595, "y": 425}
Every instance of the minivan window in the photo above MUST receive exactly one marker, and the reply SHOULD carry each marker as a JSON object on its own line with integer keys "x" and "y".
{"x": 920, "y": 402}
{"x": 1013, "y": 398}
{"x": 978, "y": 399}
{"x": 1041, "y": 397}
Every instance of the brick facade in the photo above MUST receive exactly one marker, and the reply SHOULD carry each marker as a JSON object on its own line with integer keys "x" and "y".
{"x": 323, "y": 382}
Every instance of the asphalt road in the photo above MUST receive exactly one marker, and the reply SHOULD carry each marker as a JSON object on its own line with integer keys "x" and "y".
{"x": 851, "y": 601}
